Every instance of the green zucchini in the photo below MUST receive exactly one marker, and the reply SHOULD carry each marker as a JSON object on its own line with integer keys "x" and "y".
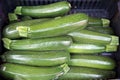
{"x": 83, "y": 73}
{"x": 90, "y": 48}
{"x": 92, "y": 61}
{"x": 23, "y": 72}
{"x": 101, "y": 22}
{"x": 104, "y": 30}
{"x": 10, "y": 31}
{"x": 90, "y": 37}
{"x": 49, "y": 10}
{"x": 55, "y": 27}
{"x": 45, "y": 44}
{"x": 46, "y": 58}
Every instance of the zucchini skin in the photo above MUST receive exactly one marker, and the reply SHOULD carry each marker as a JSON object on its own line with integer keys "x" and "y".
{"x": 94, "y": 22}
{"x": 76, "y": 48}
{"x": 46, "y": 58}
{"x": 84, "y": 73}
{"x": 11, "y": 32}
{"x": 90, "y": 37}
{"x": 50, "y": 10}
{"x": 23, "y": 72}
{"x": 92, "y": 61}
{"x": 86, "y": 49}
{"x": 99, "y": 22}
{"x": 45, "y": 44}
{"x": 56, "y": 27}
{"x": 104, "y": 30}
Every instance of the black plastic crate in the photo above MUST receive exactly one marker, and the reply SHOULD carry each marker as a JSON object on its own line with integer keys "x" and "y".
{"x": 96, "y": 8}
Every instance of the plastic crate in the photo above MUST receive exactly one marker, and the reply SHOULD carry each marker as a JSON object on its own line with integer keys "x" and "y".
{"x": 96, "y": 8}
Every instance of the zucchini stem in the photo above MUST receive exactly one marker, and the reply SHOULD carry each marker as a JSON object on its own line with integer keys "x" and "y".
{"x": 65, "y": 68}
{"x": 111, "y": 48}
{"x": 18, "y": 10}
{"x": 105, "y": 22}
{"x": 6, "y": 42}
{"x": 22, "y": 31}
{"x": 114, "y": 40}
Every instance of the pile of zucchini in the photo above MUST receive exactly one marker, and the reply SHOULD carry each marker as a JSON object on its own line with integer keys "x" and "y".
{"x": 47, "y": 44}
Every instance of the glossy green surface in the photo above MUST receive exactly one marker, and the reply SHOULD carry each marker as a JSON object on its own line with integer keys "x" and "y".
{"x": 45, "y": 44}
{"x": 58, "y": 26}
{"x": 10, "y": 31}
{"x": 49, "y": 10}
{"x": 22, "y": 72}
{"x": 46, "y": 58}
{"x": 101, "y": 22}
{"x": 82, "y": 73}
{"x": 86, "y": 49}
{"x": 90, "y": 37}
{"x": 105, "y": 30}
{"x": 92, "y": 61}
{"x": 94, "y": 22}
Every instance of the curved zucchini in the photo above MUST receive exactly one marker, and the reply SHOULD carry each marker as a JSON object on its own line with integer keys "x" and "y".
{"x": 50, "y": 10}
{"x": 90, "y": 37}
{"x": 11, "y": 32}
{"x": 46, "y": 58}
{"x": 90, "y": 48}
{"x": 82, "y": 73}
{"x": 92, "y": 61}
{"x": 45, "y": 44}
{"x": 55, "y": 27}
{"x": 23, "y": 72}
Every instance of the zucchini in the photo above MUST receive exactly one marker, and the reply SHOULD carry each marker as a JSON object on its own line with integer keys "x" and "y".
{"x": 92, "y": 61}
{"x": 55, "y": 27}
{"x": 46, "y": 58}
{"x": 83, "y": 73}
{"x": 45, "y": 44}
{"x": 10, "y": 31}
{"x": 90, "y": 37}
{"x": 23, "y": 72}
{"x": 104, "y": 30}
{"x": 49, "y": 10}
{"x": 90, "y": 48}
{"x": 101, "y": 22}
